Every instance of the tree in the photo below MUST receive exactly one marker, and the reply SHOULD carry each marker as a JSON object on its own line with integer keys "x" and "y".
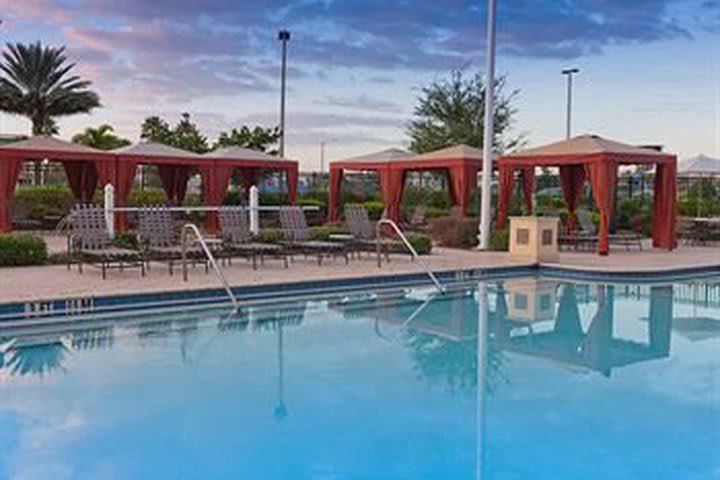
{"x": 258, "y": 138}
{"x": 157, "y": 130}
{"x": 37, "y": 82}
{"x": 101, "y": 138}
{"x": 449, "y": 112}
{"x": 185, "y": 134}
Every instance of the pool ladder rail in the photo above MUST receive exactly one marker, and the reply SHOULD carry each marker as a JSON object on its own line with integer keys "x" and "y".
{"x": 413, "y": 252}
{"x": 190, "y": 227}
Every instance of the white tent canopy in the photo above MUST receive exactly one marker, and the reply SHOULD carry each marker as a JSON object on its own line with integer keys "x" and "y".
{"x": 699, "y": 165}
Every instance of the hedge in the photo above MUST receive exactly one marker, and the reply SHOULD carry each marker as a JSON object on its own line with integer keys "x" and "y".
{"x": 18, "y": 249}
{"x": 454, "y": 232}
{"x": 422, "y": 243}
{"x": 46, "y": 200}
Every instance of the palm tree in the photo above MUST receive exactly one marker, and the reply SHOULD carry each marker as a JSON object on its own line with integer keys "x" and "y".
{"x": 101, "y": 138}
{"x": 36, "y": 81}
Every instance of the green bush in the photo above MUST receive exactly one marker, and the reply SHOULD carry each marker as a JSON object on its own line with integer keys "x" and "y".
{"x": 234, "y": 197}
{"x": 322, "y": 233}
{"x": 318, "y": 196}
{"x": 270, "y": 235}
{"x": 454, "y": 232}
{"x": 374, "y": 209}
{"x": 434, "y": 212}
{"x": 500, "y": 240}
{"x": 420, "y": 242}
{"x": 22, "y": 249}
{"x": 149, "y": 196}
{"x": 126, "y": 240}
{"x": 45, "y": 200}
{"x": 310, "y": 202}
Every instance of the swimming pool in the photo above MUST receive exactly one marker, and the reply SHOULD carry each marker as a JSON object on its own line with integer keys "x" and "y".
{"x": 580, "y": 380}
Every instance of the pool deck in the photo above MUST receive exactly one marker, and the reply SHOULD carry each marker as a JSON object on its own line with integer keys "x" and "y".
{"x": 53, "y": 282}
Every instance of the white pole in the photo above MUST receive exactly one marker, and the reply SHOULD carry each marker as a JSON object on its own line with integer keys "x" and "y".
{"x": 254, "y": 202}
{"x": 109, "y": 206}
{"x": 485, "y": 198}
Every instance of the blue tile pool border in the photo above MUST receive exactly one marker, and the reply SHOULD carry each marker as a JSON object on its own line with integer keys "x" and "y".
{"x": 106, "y": 304}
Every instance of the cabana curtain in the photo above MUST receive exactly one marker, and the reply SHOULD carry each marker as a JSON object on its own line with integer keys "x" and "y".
{"x": 82, "y": 179}
{"x": 9, "y": 174}
{"x": 572, "y": 180}
{"x": 174, "y": 179}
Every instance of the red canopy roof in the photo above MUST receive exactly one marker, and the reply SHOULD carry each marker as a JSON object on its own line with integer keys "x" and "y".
{"x": 582, "y": 149}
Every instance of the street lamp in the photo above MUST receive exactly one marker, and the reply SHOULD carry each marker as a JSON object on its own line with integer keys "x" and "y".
{"x": 284, "y": 38}
{"x": 569, "y": 72}
{"x": 488, "y": 134}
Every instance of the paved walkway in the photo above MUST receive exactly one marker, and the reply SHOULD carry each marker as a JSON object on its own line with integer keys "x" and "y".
{"x": 31, "y": 283}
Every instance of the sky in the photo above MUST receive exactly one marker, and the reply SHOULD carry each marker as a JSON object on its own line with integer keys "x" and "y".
{"x": 649, "y": 69}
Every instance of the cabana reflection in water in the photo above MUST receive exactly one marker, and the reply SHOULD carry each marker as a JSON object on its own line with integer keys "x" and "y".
{"x": 584, "y": 379}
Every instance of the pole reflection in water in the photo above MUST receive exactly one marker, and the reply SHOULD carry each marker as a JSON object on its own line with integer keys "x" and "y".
{"x": 482, "y": 359}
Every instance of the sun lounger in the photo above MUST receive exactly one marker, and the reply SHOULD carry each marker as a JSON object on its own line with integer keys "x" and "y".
{"x": 89, "y": 242}
{"x": 297, "y": 237}
{"x": 160, "y": 241}
{"x": 364, "y": 232}
{"x": 238, "y": 240}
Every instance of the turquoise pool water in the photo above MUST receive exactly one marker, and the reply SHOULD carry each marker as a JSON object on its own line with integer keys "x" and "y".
{"x": 580, "y": 381}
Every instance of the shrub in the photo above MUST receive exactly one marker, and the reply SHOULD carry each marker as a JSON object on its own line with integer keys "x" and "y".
{"x": 234, "y": 197}
{"x": 270, "y": 235}
{"x": 500, "y": 240}
{"x": 149, "y": 196}
{"x": 310, "y": 202}
{"x": 318, "y": 196}
{"x": 322, "y": 233}
{"x": 420, "y": 242}
{"x": 126, "y": 240}
{"x": 45, "y": 200}
{"x": 434, "y": 212}
{"x": 22, "y": 249}
{"x": 374, "y": 209}
{"x": 454, "y": 232}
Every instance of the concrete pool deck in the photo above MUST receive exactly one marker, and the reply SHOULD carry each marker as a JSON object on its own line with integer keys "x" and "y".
{"x": 55, "y": 281}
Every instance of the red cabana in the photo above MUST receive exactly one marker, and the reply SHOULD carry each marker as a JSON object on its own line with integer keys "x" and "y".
{"x": 597, "y": 159}
{"x": 461, "y": 163}
{"x": 250, "y": 163}
{"x": 215, "y": 168}
{"x": 85, "y": 168}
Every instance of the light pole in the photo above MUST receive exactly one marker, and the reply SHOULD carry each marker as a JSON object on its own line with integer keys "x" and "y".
{"x": 488, "y": 134}
{"x": 569, "y": 72}
{"x": 284, "y": 38}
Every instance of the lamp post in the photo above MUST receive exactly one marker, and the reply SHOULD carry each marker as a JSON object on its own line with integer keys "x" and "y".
{"x": 488, "y": 134}
{"x": 569, "y": 72}
{"x": 284, "y": 38}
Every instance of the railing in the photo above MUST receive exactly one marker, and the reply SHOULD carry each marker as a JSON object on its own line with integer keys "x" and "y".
{"x": 413, "y": 252}
{"x": 211, "y": 258}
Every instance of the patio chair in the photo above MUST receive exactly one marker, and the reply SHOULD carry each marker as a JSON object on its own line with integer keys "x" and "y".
{"x": 364, "y": 232}
{"x": 589, "y": 230}
{"x": 20, "y": 216}
{"x": 89, "y": 242}
{"x": 160, "y": 241}
{"x": 297, "y": 236}
{"x": 238, "y": 239}
{"x": 418, "y": 219}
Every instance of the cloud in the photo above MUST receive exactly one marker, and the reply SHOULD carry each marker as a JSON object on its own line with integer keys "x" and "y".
{"x": 361, "y": 102}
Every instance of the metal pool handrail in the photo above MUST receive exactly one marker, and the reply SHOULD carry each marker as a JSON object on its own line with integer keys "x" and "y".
{"x": 201, "y": 240}
{"x": 413, "y": 252}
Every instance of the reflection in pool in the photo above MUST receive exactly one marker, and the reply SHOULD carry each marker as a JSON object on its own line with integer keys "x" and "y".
{"x": 579, "y": 381}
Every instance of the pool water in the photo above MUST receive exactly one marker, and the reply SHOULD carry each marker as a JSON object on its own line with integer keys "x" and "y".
{"x": 580, "y": 381}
